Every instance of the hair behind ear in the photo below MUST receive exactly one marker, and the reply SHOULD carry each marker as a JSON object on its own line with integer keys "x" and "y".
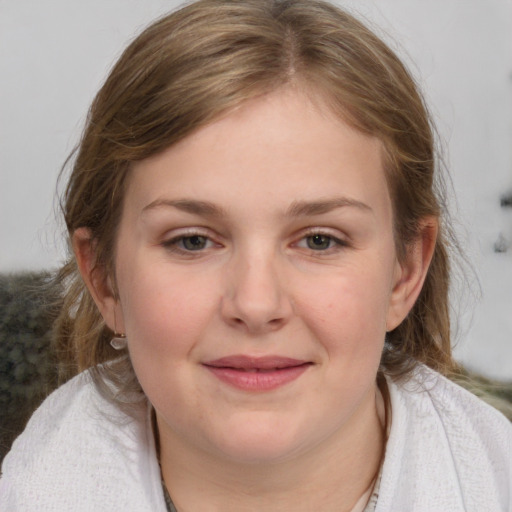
{"x": 411, "y": 272}
{"x": 424, "y": 334}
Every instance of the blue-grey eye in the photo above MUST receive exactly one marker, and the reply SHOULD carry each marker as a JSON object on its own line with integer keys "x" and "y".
{"x": 194, "y": 243}
{"x": 318, "y": 242}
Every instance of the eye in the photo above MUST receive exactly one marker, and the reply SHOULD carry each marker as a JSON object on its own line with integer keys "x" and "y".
{"x": 321, "y": 242}
{"x": 188, "y": 243}
{"x": 194, "y": 243}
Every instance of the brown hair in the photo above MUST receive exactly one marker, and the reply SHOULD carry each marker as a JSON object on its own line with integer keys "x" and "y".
{"x": 197, "y": 63}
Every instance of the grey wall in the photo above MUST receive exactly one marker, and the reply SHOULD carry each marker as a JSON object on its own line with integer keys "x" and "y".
{"x": 55, "y": 54}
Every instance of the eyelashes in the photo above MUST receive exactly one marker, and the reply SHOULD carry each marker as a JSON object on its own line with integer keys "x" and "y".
{"x": 321, "y": 242}
{"x": 193, "y": 243}
{"x": 189, "y": 243}
{"x": 315, "y": 242}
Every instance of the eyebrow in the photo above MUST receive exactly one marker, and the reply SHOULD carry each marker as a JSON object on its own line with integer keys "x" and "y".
{"x": 187, "y": 205}
{"x": 297, "y": 208}
{"x": 310, "y": 208}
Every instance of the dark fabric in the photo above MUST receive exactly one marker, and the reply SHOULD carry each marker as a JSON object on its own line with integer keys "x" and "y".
{"x": 28, "y": 370}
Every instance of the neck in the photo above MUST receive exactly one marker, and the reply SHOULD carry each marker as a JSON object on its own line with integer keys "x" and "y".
{"x": 332, "y": 475}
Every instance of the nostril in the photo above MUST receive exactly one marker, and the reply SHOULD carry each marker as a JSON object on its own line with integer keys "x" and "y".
{"x": 257, "y": 325}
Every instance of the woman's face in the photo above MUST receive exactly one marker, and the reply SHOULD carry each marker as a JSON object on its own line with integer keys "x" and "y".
{"x": 257, "y": 277}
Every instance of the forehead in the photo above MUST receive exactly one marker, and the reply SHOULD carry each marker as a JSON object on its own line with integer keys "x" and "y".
{"x": 279, "y": 147}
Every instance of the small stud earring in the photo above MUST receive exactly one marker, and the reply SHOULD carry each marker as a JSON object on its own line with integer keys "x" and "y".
{"x": 119, "y": 341}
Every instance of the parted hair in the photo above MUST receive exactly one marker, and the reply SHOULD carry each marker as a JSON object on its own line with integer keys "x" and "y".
{"x": 195, "y": 64}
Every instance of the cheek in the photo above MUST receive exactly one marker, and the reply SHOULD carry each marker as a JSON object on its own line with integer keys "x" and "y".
{"x": 164, "y": 313}
{"x": 165, "y": 319}
{"x": 348, "y": 314}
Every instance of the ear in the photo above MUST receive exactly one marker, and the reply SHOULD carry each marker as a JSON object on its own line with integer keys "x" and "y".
{"x": 411, "y": 273}
{"x": 97, "y": 281}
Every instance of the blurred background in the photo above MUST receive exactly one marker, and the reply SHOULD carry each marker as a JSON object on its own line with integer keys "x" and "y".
{"x": 55, "y": 54}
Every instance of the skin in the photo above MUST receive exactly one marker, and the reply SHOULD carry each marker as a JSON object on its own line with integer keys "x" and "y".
{"x": 267, "y": 232}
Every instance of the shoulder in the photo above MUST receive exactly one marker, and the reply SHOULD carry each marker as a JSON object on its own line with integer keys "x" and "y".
{"x": 460, "y": 413}
{"x": 66, "y": 406}
{"x": 75, "y": 411}
{"x": 427, "y": 384}
{"x": 454, "y": 450}
{"x": 79, "y": 452}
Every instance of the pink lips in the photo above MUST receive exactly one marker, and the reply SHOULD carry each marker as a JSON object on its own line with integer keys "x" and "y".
{"x": 257, "y": 373}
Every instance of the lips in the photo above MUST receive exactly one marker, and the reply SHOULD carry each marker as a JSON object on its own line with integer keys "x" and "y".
{"x": 257, "y": 373}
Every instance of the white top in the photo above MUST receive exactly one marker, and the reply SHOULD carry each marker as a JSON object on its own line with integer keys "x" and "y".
{"x": 447, "y": 451}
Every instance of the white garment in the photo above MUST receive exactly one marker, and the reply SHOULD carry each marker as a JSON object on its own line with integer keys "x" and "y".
{"x": 80, "y": 453}
{"x": 447, "y": 452}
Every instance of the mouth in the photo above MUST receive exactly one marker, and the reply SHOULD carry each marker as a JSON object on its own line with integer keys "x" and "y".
{"x": 257, "y": 373}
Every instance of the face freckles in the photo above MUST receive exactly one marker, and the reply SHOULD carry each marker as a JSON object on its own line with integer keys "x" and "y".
{"x": 256, "y": 271}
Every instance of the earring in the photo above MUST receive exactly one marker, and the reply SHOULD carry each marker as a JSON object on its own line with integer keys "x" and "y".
{"x": 119, "y": 341}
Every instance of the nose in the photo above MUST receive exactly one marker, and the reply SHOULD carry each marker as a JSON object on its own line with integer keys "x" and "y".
{"x": 256, "y": 298}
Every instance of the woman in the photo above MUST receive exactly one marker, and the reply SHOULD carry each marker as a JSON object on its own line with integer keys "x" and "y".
{"x": 257, "y": 295}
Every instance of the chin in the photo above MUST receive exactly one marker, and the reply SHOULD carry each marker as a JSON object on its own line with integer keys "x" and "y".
{"x": 258, "y": 442}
